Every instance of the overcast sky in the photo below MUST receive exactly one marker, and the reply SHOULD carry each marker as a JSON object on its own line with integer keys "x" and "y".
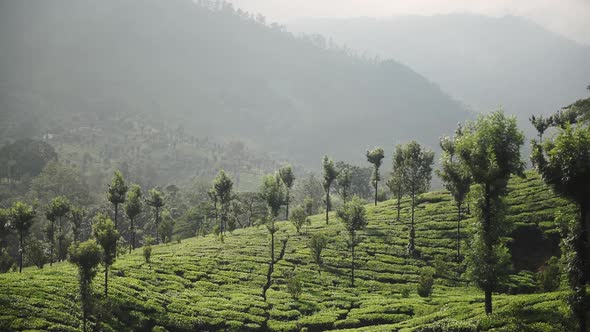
{"x": 570, "y": 18}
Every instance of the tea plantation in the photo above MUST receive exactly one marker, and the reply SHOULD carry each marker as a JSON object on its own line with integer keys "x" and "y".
{"x": 205, "y": 284}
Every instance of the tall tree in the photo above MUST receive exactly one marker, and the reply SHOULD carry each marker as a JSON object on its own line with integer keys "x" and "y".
{"x": 299, "y": 218}
{"x": 273, "y": 193}
{"x": 344, "y": 182}
{"x": 330, "y": 175}
{"x": 78, "y": 215}
{"x": 4, "y": 227}
{"x": 106, "y": 236}
{"x": 116, "y": 193}
{"x": 56, "y": 210}
{"x": 417, "y": 173}
{"x": 223, "y": 191}
{"x": 354, "y": 217}
{"x": 396, "y": 179}
{"x": 375, "y": 157}
{"x": 541, "y": 124}
{"x": 22, "y": 217}
{"x": 456, "y": 179}
{"x": 564, "y": 163}
{"x": 156, "y": 201}
{"x": 288, "y": 178}
{"x": 86, "y": 256}
{"x": 490, "y": 149}
{"x": 133, "y": 208}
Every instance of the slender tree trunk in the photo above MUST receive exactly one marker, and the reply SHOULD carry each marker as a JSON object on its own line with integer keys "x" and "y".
{"x": 488, "y": 249}
{"x": 116, "y": 214}
{"x": 352, "y": 266}
{"x": 327, "y": 203}
{"x": 376, "y": 185}
{"x": 51, "y": 244}
{"x": 106, "y": 281}
{"x": 20, "y": 252}
{"x": 158, "y": 223}
{"x": 287, "y": 213}
{"x": 458, "y": 232}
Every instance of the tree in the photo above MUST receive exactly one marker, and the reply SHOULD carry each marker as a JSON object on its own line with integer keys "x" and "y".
{"x": 133, "y": 208}
{"x": 57, "y": 179}
{"x": 58, "y": 208}
{"x": 354, "y": 217}
{"x": 344, "y": 182}
{"x": 166, "y": 226}
{"x": 22, "y": 217}
{"x": 417, "y": 172}
{"x": 213, "y": 197}
{"x": 564, "y": 163}
{"x": 77, "y": 218}
{"x": 330, "y": 175}
{"x": 541, "y": 125}
{"x": 375, "y": 157}
{"x": 456, "y": 179}
{"x": 223, "y": 191}
{"x": 317, "y": 244}
{"x": 273, "y": 193}
{"x": 490, "y": 149}
{"x": 156, "y": 201}
{"x": 116, "y": 193}
{"x": 396, "y": 180}
{"x": 25, "y": 157}
{"x": 4, "y": 226}
{"x": 288, "y": 178}
{"x": 86, "y": 256}
{"x": 299, "y": 218}
{"x": 106, "y": 236}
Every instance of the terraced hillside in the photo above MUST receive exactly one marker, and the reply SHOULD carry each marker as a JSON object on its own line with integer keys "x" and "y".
{"x": 204, "y": 284}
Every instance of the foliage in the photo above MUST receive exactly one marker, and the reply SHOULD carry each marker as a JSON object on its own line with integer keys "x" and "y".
{"x": 294, "y": 285}
{"x": 166, "y": 227}
{"x": 22, "y": 217}
{"x": 86, "y": 256}
{"x": 299, "y": 218}
{"x": 106, "y": 236}
{"x": 549, "y": 275}
{"x": 354, "y": 217}
{"x": 133, "y": 208}
{"x": 36, "y": 253}
{"x": 288, "y": 178}
{"x": 317, "y": 243}
{"x": 425, "y": 283}
{"x": 223, "y": 191}
{"x": 273, "y": 193}
{"x": 330, "y": 174}
{"x": 25, "y": 157}
{"x": 490, "y": 149}
{"x": 375, "y": 157}
{"x": 56, "y": 180}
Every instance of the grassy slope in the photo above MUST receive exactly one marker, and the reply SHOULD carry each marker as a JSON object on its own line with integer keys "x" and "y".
{"x": 205, "y": 284}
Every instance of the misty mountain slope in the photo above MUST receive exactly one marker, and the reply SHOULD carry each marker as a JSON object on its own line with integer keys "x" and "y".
{"x": 218, "y": 72}
{"x": 485, "y": 62}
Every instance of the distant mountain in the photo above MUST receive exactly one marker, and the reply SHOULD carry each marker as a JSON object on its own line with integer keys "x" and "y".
{"x": 483, "y": 61}
{"x": 216, "y": 71}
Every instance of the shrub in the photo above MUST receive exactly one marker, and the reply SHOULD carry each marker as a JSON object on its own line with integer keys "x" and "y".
{"x": 405, "y": 292}
{"x": 548, "y": 276}
{"x": 294, "y": 286}
{"x": 36, "y": 253}
{"x": 425, "y": 283}
{"x": 440, "y": 267}
{"x": 147, "y": 252}
{"x": 6, "y": 261}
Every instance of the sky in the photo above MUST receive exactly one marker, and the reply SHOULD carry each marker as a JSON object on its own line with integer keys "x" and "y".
{"x": 570, "y": 18}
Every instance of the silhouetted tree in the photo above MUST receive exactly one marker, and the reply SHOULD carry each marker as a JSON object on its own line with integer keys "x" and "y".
{"x": 133, "y": 208}
{"x": 490, "y": 149}
{"x": 288, "y": 178}
{"x": 375, "y": 157}
{"x": 330, "y": 175}
{"x": 116, "y": 193}
{"x": 22, "y": 217}
{"x": 86, "y": 255}
{"x": 354, "y": 217}
{"x": 106, "y": 236}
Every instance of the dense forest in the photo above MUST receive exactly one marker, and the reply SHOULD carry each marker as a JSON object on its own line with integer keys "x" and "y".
{"x": 189, "y": 166}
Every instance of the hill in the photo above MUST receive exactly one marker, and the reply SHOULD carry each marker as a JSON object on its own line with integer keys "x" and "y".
{"x": 485, "y": 62}
{"x": 204, "y": 284}
{"x": 219, "y": 72}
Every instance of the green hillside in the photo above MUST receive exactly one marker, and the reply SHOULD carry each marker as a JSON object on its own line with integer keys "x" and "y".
{"x": 204, "y": 284}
